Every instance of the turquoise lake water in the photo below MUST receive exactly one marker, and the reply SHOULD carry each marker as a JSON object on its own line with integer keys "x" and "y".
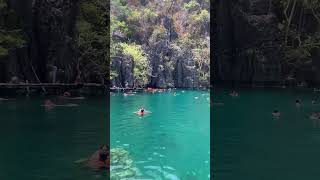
{"x": 249, "y": 144}
{"x": 172, "y": 142}
{"x": 40, "y": 144}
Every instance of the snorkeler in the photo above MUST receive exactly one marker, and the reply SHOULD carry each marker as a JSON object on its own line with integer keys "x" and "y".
{"x": 276, "y": 113}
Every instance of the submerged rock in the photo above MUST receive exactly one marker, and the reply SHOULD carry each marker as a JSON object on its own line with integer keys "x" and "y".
{"x": 121, "y": 165}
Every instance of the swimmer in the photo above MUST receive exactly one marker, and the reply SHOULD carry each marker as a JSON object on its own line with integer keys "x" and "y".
{"x": 314, "y": 116}
{"x": 66, "y": 94}
{"x": 49, "y": 104}
{"x": 142, "y": 112}
{"x": 234, "y": 94}
{"x": 276, "y": 114}
{"x": 100, "y": 159}
{"x": 298, "y": 103}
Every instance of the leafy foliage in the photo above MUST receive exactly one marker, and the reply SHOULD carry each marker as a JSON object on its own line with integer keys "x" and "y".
{"x": 93, "y": 40}
{"x": 11, "y": 36}
{"x": 159, "y": 34}
{"x": 299, "y": 43}
{"x": 141, "y": 64}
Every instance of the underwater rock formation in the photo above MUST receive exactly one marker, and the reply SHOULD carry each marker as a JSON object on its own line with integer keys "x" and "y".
{"x": 121, "y": 165}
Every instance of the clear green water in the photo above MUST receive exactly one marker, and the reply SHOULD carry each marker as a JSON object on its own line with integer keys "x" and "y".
{"x": 173, "y": 142}
{"x": 37, "y": 144}
{"x": 248, "y": 144}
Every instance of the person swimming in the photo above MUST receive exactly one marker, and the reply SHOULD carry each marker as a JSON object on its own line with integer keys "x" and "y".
{"x": 49, "y": 104}
{"x": 142, "y": 112}
{"x": 276, "y": 113}
{"x": 100, "y": 159}
{"x": 104, "y": 153}
{"x": 314, "y": 116}
{"x": 234, "y": 93}
{"x": 298, "y": 103}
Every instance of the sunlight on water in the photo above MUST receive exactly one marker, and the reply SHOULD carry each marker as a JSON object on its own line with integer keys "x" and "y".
{"x": 172, "y": 142}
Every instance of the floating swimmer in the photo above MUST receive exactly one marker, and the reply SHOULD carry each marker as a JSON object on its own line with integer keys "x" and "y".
{"x": 142, "y": 112}
{"x": 276, "y": 114}
{"x": 314, "y": 116}
{"x": 49, "y": 104}
{"x": 234, "y": 94}
{"x": 99, "y": 160}
{"x": 298, "y": 103}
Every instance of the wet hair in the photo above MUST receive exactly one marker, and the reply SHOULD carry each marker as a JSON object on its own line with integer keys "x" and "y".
{"x": 142, "y": 110}
{"x": 275, "y": 111}
{"x": 297, "y": 101}
{"x": 103, "y": 156}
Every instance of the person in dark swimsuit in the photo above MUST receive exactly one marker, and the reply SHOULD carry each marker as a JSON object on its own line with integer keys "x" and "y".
{"x": 104, "y": 154}
{"x": 100, "y": 159}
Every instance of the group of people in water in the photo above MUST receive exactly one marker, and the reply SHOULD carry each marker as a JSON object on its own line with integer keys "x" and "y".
{"x": 49, "y": 104}
{"x": 276, "y": 113}
{"x": 315, "y": 115}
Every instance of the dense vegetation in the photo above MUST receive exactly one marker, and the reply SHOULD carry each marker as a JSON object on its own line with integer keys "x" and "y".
{"x": 301, "y": 39}
{"x": 159, "y": 43}
{"x": 266, "y": 42}
{"x": 11, "y": 35}
{"x": 93, "y": 39}
{"x": 155, "y": 42}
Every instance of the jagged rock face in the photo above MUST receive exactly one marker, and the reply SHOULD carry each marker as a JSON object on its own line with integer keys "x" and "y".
{"x": 169, "y": 67}
{"x": 54, "y": 22}
{"x": 124, "y": 69}
{"x": 49, "y": 27}
{"x": 242, "y": 27}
